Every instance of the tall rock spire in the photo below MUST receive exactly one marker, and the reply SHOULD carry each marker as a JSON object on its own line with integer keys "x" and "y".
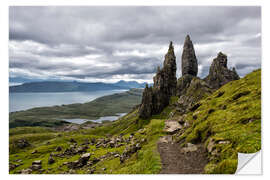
{"x": 189, "y": 60}
{"x": 156, "y": 98}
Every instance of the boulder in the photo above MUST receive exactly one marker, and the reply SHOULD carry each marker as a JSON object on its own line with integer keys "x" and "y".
{"x": 84, "y": 158}
{"x": 13, "y": 166}
{"x": 189, "y": 148}
{"x": 26, "y": 171}
{"x": 36, "y": 162}
{"x": 36, "y": 167}
{"x": 219, "y": 74}
{"x": 51, "y": 160}
{"x": 81, "y": 149}
{"x": 172, "y": 126}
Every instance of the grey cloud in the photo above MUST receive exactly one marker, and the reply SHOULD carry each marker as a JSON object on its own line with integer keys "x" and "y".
{"x": 68, "y": 31}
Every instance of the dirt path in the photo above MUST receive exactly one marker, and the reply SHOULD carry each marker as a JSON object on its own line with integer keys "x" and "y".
{"x": 174, "y": 161}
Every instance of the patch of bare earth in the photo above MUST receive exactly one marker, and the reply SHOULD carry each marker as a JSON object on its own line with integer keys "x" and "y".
{"x": 181, "y": 160}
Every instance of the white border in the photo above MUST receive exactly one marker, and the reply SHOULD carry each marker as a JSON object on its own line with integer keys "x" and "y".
{"x": 4, "y": 78}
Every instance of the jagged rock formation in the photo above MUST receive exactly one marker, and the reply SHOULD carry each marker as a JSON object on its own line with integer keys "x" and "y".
{"x": 183, "y": 84}
{"x": 219, "y": 74}
{"x": 189, "y": 88}
{"x": 189, "y": 60}
{"x": 156, "y": 98}
{"x": 196, "y": 90}
{"x": 146, "y": 107}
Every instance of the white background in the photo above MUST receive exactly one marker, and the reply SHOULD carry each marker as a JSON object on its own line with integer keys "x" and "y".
{"x": 4, "y": 84}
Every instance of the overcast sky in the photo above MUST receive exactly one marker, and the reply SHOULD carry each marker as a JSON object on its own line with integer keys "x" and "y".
{"x": 109, "y": 44}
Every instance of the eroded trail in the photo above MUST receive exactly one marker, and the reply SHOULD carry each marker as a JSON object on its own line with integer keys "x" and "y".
{"x": 177, "y": 160}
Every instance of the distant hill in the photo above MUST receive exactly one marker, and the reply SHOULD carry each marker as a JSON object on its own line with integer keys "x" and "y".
{"x": 108, "y": 105}
{"x": 56, "y": 86}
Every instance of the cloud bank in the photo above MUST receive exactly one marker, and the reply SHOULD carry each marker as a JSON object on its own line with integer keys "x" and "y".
{"x": 109, "y": 44}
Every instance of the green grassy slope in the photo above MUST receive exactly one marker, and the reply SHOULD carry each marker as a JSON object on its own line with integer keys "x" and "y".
{"x": 229, "y": 120}
{"x": 45, "y": 140}
{"x": 103, "y": 106}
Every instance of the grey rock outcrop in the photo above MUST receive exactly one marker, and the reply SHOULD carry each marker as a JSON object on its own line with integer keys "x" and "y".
{"x": 219, "y": 74}
{"x": 196, "y": 90}
{"x": 156, "y": 98}
{"x": 189, "y": 60}
{"x": 183, "y": 84}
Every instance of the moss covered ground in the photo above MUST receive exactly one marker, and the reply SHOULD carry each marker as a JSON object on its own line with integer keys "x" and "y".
{"x": 45, "y": 140}
{"x": 229, "y": 119}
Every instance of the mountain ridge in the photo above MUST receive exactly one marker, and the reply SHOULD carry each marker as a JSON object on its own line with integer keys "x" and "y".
{"x": 57, "y": 86}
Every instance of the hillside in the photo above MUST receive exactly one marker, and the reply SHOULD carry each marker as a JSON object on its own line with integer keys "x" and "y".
{"x": 103, "y": 106}
{"x": 237, "y": 127}
{"x": 226, "y": 122}
{"x": 55, "y": 86}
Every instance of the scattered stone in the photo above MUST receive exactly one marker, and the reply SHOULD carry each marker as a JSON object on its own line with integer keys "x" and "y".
{"x": 18, "y": 160}
{"x": 36, "y": 167}
{"x": 133, "y": 148}
{"x": 224, "y": 142}
{"x": 13, "y": 166}
{"x": 91, "y": 171}
{"x": 51, "y": 160}
{"x": 165, "y": 139}
{"x": 37, "y": 162}
{"x": 81, "y": 149}
{"x": 72, "y": 140}
{"x": 84, "y": 158}
{"x": 93, "y": 140}
{"x": 172, "y": 126}
{"x": 143, "y": 140}
{"x": 211, "y": 145}
{"x": 117, "y": 155}
{"x": 33, "y": 152}
{"x": 95, "y": 160}
{"x": 26, "y": 171}
{"x": 142, "y": 131}
{"x": 72, "y": 171}
{"x": 58, "y": 148}
{"x": 211, "y": 111}
{"x": 190, "y": 148}
{"x": 186, "y": 124}
{"x": 22, "y": 143}
{"x": 181, "y": 119}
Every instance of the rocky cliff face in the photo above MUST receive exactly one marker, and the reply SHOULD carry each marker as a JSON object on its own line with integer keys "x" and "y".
{"x": 189, "y": 88}
{"x": 189, "y": 60}
{"x": 219, "y": 74}
{"x": 157, "y": 97}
